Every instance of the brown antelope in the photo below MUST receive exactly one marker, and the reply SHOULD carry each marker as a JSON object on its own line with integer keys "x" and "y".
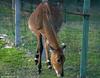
{"x": 45, "y": 22}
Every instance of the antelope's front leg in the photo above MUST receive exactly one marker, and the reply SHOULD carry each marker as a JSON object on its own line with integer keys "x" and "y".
{"x": 47, "y": 54}
{"x": 40, "y": 55}
{"x": 37, "y": 50}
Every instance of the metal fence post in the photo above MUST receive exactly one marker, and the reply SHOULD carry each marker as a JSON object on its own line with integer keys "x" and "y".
{"x": 65, "y": 16}
{"x": 13, "y": 4}
{"x": 83, "y": 62}
{"x": 17, "y": 22}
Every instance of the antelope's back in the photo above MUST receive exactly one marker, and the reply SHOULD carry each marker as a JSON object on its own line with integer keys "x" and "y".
{"x": 36, "y": 18}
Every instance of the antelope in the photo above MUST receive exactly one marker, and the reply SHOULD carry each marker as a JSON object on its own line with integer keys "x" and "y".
{"x": 45, "y": 22}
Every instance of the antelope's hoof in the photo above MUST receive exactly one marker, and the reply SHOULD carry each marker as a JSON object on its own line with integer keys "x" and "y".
{"x": 49, "y": 64}
{"x": 36, "y": 61}
{"x": 49, "y": 67}
{"x": 36, "y": 58}
{"x": 39, "y": 71}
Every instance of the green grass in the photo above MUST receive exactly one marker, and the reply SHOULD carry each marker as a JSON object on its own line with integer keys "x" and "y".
{"x": 15, "y": 62}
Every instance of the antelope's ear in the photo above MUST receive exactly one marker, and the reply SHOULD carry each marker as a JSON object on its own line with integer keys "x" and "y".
{"x": 63, "y": 46}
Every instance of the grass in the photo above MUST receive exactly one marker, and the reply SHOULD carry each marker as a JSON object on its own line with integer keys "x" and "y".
{"x": 15, "y": 62}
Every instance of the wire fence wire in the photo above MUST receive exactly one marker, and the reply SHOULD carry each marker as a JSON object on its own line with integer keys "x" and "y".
{"x": 70, "y": 34}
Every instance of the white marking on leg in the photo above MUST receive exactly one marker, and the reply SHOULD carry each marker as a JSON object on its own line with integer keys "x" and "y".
{"x": 47, "y": 41}
{"x": 49, "y": 66}
{"x": 35, "y": 59}
{"x": 50, "y": 50}
{"x": 48, "y": 61}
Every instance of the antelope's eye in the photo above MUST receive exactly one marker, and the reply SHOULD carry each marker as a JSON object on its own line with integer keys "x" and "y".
{"x": 59, "y": 61}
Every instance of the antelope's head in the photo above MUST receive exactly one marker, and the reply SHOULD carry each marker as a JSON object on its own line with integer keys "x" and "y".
{"x": 57, "y": 60}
